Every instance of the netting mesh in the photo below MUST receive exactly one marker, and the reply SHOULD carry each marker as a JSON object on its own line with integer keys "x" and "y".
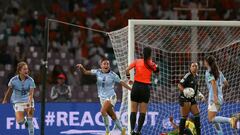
{"x": 173, "y": 48}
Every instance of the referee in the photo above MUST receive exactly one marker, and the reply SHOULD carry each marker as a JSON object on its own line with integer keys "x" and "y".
{"x": 190, "y": 80}
{"x": 140, "y": 93}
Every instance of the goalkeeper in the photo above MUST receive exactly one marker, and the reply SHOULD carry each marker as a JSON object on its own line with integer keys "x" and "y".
{"x": 187, "y": 101}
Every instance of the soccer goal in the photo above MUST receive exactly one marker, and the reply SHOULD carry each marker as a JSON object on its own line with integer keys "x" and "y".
{"x": 175, "y": 44}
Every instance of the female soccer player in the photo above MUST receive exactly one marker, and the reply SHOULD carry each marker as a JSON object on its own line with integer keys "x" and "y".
{"x": 216, "y": 82}
{"x": 105, "y": 85}
{"x": 140, "y": 93}
{"x": 190, "y": 80}
{"x": 22, "y": 88}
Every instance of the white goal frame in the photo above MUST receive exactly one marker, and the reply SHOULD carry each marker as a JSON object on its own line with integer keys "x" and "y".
{"x": 131, "y": 38}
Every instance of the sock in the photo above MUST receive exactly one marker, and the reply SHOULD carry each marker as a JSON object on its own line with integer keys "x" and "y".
{"x": 30, "y": 126}
{"x": 106, "y": 122}
{"x": 133, "y": 120}
{"x": 118, "y": 124}
{"x": 220, "y": 119}
{"x": 22, "y": 122}
{"x": 182, "y": 125}
{"x": 141, "y": 120}
{"x": 197, "y": 124}
{"x": 218, "y": 128}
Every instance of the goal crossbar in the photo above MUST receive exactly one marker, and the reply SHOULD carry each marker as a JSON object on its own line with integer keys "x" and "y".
{"x": 132, "y": 22}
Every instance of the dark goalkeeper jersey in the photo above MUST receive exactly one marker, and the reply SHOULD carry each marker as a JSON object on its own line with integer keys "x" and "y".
{"x": 190, "y": 81}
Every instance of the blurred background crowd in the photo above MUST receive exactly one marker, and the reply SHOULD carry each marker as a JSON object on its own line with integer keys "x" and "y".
{"x": 22, "y": 37}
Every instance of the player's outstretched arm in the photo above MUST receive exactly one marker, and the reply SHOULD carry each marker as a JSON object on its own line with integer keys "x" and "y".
{"x": 125, "y": 85}
{"x": 83, "y": 70}
{"x": 6, "y": 97}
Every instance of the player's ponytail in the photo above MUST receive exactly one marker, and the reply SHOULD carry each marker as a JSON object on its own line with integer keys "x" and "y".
{"x": 214, "y": 70}
{"x": 147, "y": 54}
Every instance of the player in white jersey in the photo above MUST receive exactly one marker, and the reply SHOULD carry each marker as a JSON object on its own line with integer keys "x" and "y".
{"x": 21, "y": 88}
{"x": 216, "y": 82}
{"x": 106, "y": 80}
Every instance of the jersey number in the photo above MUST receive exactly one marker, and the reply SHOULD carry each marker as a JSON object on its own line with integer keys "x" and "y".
{"x": 23, "y": 92}
{"x": 103, "y": 81}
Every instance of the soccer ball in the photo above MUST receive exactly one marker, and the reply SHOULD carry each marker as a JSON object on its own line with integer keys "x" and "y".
{"x": 188, "y": 92}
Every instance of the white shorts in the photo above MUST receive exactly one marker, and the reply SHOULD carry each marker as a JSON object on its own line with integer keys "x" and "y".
{"x": 20, "y": 107}
{"x": 112, "y": 99}
{"x": 213, "y": 107}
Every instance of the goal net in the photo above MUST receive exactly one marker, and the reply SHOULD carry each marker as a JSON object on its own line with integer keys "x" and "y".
{"x": 175, "y": 45}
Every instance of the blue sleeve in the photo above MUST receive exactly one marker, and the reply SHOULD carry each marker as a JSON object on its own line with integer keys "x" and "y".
{"x": 116, "y": 78}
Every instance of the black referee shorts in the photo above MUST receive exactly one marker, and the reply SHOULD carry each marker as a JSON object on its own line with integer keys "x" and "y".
{"x": 183, "y": 99}
{"x": 140, "y": 92}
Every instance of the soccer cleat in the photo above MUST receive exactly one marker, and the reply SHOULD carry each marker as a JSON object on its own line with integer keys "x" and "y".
{"x": 233, "y": 122}
{"x": 123, "y": 131}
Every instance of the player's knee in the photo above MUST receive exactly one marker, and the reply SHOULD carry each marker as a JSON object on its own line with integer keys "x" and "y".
{"x": 30, "y": 113}
{"x": 103, "y": 112}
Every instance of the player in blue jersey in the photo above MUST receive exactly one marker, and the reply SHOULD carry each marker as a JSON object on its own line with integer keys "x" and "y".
{"x": 21, "y": 88}
{"x": 106, "y": 80}
{"x": 216, "y": 82}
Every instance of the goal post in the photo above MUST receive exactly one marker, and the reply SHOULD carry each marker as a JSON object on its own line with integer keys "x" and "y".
{"x": 174, "y": 42}
{"x": 130, "y": 59}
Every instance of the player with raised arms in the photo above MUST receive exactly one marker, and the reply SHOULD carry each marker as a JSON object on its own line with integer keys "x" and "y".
{"x": 106, "y": 80}
{"x": 21, "y": 88}
{"x": 188, "y": 87}
{"x": 216, "y": 82}
{"x": 140, "y": 93}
